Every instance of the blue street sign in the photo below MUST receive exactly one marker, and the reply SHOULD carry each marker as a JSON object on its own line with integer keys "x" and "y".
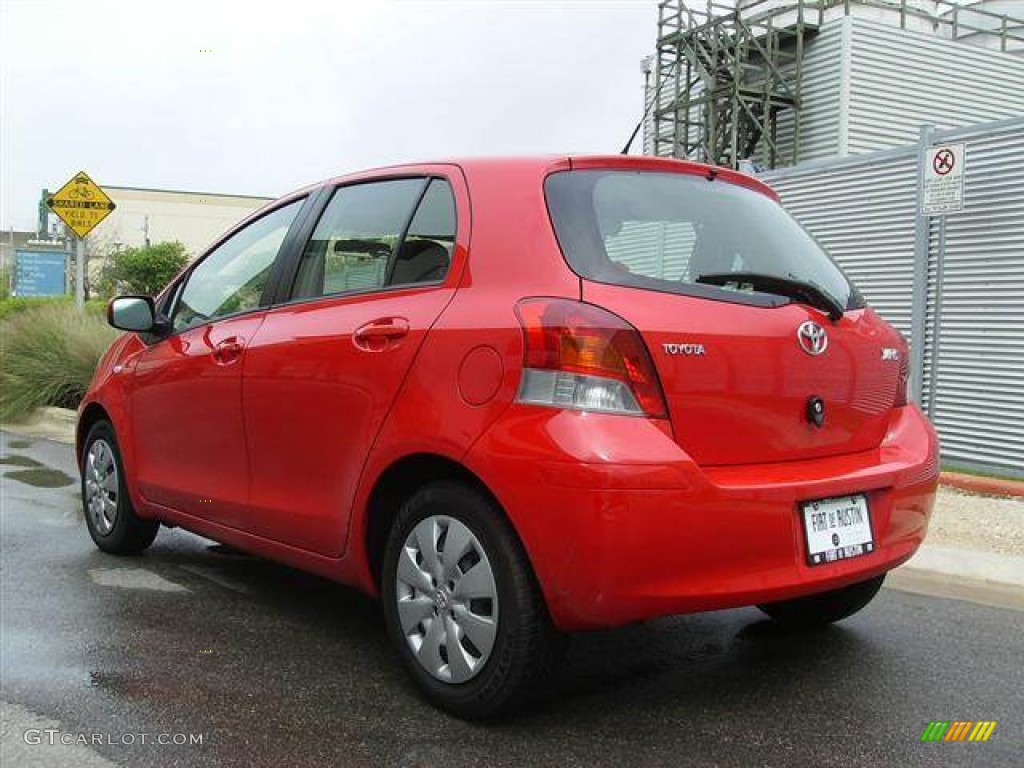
{"x": 40, "y": 273}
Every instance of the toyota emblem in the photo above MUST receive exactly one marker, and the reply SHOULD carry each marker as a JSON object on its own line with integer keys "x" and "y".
{"x": 812, "y": 337}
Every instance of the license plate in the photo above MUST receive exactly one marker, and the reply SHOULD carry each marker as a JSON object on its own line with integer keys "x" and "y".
{"x": 837, "y": 529}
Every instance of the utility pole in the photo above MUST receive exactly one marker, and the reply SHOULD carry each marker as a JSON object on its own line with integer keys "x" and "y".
{"x": 646, "y": 65}
{"x": 42, "y": 223}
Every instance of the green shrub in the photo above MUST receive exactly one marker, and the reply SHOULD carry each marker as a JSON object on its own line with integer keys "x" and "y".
{"x": 48, "y": 354}
{"x": 144, "y": 270}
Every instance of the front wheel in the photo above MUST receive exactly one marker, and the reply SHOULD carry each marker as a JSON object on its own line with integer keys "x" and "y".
{"x": 824, "y": 608}
{"x": 461, "y": 603}
{"x": 109, "y": 514}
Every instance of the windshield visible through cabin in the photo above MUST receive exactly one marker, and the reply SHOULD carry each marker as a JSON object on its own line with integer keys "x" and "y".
{"x": 664, "y": 231}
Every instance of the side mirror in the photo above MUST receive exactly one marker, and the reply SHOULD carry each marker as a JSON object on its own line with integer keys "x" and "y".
{"x": 132, "y": 313}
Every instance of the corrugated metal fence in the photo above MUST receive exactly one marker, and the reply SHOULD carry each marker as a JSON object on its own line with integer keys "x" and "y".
{"x": 954, "y": 285}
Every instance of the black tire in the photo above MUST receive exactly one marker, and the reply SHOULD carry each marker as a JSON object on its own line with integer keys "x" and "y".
{"x": 525, "y": 643}
{"x": 129, "y": 534}
{"x": 824, "y": 608}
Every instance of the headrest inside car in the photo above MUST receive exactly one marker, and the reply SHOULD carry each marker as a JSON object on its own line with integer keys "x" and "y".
{"x": 420, "y": 261}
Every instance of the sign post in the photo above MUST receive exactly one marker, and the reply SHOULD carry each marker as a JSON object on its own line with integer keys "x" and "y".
{"x": 80, "y": 204}
{"x": 942, "y": 186}
{"x": 80, "y": 272}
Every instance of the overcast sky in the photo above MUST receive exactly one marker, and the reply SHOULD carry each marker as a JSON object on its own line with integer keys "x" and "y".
{"x": 260, "y": 98}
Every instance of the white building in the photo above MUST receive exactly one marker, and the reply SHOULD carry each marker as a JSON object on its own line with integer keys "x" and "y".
{"x": 195, "y": 219}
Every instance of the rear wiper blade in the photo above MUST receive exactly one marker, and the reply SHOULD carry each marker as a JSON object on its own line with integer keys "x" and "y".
{"x": 807, "y": 293}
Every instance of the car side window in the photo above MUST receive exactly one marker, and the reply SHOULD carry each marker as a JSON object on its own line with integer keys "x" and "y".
{"x": 232, "y": 277}
{"x": 358, "y": 243}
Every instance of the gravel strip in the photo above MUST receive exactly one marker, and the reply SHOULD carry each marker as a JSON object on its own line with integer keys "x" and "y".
{"x": 984, "y": 523}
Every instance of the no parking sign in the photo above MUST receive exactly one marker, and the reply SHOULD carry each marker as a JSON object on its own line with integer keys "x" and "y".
{"x": 943, "y": 171}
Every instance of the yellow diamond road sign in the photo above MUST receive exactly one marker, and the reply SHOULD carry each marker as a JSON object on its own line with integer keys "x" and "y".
{"x": 81, "y": 204}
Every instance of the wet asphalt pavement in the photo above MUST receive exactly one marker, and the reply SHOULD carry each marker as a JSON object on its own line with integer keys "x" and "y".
{"x": 274, "y": 667}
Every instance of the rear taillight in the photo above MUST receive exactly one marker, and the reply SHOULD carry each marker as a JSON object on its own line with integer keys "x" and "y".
{"x": 584, "y": 357}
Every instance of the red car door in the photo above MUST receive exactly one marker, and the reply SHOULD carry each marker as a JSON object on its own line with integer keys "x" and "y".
{"x": 186, "y": 389}
{"x": 325, "y": 367}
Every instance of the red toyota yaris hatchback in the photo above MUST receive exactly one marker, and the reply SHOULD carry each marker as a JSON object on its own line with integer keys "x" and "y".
{"x": 514, "y": 397}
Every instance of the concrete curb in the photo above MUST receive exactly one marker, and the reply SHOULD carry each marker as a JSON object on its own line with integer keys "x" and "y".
{"x": 51, "y": 423}
{"x": 935, "y": 584}
{"x": 987, "y": 578}
{"x": 1006, "y": 570}
{"x": 988, "y": 486}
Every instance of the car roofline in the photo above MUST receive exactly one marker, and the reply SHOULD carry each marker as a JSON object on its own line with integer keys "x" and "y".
{"x": 547, "y": 164}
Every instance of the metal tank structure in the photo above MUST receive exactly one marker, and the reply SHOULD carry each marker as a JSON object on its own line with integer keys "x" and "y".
{"x": 779, "y": 82}
{"x": 988, "y": 19}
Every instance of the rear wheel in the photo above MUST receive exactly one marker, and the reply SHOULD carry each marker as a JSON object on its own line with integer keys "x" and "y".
{"x": 461, "y": 603}
{"x": 109, "y": 514}
{"x": 824, "y": 608}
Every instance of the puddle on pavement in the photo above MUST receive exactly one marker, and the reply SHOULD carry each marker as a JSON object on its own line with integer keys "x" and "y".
{"x": 134, "y": 578}
{"x": 217, "y": 577}
{"x": 43, "y": 477}
{"x": 16, "y": 460}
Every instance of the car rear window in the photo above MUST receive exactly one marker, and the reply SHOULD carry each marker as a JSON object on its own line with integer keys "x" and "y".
{"x": 663, "y": 231}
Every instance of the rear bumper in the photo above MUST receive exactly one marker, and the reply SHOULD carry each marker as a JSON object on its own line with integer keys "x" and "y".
{"x": 620, "y": 525}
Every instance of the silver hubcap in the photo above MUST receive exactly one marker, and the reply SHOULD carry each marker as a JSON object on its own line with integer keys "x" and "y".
{"x": 447, "y": 599}
{"x": 101, "y": 487}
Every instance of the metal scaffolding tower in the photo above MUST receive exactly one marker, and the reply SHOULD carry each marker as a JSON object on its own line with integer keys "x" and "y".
{"x": 728, "y": 72}
{"x": 724, "y": 74}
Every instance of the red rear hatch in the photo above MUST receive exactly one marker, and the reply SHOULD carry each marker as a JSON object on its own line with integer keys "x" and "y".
{"x": 738, "y": 383}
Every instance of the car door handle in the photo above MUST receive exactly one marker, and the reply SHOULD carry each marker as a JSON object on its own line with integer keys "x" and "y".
{"x": 228, "y": 351}
{"x": 381, "y": 333}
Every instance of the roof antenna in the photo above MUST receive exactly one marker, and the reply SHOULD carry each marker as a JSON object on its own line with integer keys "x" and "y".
{"x": 645, "y": 67}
